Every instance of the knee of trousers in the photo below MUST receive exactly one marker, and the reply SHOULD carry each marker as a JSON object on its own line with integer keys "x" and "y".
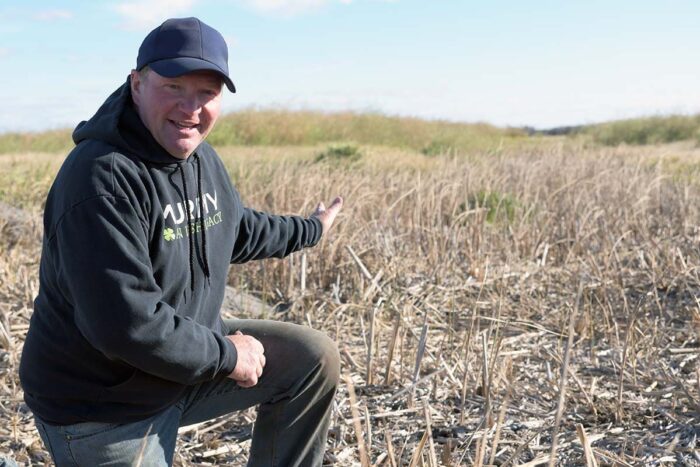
{"x": 328, "y": 358}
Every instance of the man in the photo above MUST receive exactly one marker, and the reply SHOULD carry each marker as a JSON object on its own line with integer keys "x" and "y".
{"x": 126, "y": 342}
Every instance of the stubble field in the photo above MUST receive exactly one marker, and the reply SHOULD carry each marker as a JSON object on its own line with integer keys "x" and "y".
{"x": 518, "y": 306}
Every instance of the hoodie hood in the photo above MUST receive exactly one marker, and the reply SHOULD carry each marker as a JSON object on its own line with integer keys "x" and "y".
{"x": 118, "y": 123}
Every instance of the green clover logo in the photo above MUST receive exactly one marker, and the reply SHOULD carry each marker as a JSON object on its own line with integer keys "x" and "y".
{"x": 168, "y": 234}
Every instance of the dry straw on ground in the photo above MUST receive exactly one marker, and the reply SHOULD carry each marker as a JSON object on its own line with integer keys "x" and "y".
{"x": 529, "y": 307}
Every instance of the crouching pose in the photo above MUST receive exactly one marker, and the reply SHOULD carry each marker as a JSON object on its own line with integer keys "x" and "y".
{"x": 126, "y": 342}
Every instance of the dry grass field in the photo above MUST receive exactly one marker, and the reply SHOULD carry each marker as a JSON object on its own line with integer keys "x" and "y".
{"x": 528, "y": 305}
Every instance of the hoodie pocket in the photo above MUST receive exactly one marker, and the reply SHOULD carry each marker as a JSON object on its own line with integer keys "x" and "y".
{"x": 144, "y": 390}
{"x": 125, "y": 383}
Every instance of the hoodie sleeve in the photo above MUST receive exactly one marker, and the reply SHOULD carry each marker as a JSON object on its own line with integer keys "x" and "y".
{"x": 262, "y": 235}
{"x": 102, "y": 257}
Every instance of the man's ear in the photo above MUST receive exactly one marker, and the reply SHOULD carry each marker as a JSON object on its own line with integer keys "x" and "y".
{"x": 135, "y": 86}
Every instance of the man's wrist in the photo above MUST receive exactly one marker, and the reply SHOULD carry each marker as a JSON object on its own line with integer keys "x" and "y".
{"x": 230, "y": 356}
{"x": 317, "y": 233}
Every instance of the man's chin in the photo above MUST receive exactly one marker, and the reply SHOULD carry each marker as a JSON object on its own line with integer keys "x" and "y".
{"x": 181, "y": 151}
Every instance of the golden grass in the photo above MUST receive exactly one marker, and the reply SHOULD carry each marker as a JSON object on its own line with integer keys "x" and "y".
{"x": 467, "y": 276}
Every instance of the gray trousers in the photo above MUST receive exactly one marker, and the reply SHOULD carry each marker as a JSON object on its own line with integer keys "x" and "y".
{"x": 294, "y": 394}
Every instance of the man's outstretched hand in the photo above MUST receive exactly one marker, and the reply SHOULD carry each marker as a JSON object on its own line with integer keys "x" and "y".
{"x": 251, "y": 359}
{"x": 327, "y": 215}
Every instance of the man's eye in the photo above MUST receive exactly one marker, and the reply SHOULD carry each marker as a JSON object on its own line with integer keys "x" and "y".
{"x": 172, "y": 86}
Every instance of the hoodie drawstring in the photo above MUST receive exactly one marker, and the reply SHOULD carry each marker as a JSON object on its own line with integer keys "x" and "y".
{"x": 201, "y": 217}
{"x": 188, "y": 214}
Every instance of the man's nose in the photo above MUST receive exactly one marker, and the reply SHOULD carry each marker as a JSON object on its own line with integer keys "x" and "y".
{"x": 190, "y": 104}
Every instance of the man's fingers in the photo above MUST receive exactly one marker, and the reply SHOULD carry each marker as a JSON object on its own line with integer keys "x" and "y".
{"x": 336, "y": 204}
{"x": 251, "y": 376}
{"x": 334, "y": 208}
{"x": 327, "y": 216}
{"x": 247, "y": 383}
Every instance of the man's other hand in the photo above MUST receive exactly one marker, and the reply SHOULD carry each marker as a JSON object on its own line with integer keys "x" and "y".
{"x": 251, "y": 359}
{"x": 327, "y": 215}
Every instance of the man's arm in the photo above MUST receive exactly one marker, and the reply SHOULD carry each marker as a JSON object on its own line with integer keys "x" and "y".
{"x": 264, "y": 235}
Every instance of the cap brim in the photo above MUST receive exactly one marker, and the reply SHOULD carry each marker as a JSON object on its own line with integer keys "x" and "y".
{"x": 174, "y": 67}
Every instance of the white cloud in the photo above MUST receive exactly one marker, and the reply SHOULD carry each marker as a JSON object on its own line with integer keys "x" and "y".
{"x": 231, "y": 41}
{"x": 140, "y": 15}
{"x": 294, "y": 7}
{"x": 53, "y": 15}
{"x": 285, "y": 7}
{"x": 4, "y": 52}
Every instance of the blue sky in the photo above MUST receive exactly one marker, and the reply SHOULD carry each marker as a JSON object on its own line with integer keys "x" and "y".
{"x": 507, "y": 62}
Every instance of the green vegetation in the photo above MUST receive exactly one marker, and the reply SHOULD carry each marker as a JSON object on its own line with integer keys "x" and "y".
{"x": 308, "y": 128}
{"x": 500, "y": 207}
{"x": 651, "y": 130}
{"x": 438, "y": 148}
{"x": 47, "y": 141}
{"x": 278, "y": 128}
{"x": 340, "y": 152}
{"x": 431, "y": 138}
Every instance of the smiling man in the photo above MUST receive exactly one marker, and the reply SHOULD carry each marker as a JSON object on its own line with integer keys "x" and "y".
{"x": 179, "y": 111}
{"x": 126, "y": 342}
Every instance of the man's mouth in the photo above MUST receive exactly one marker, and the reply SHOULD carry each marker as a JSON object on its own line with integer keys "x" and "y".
{"x": 184, "y": 125}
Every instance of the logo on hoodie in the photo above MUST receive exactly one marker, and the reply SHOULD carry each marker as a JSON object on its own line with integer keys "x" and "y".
{"x": 168, "y": 234}
{"x": 175, "y": 213}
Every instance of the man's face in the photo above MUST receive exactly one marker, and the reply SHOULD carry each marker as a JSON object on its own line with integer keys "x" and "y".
{"x": 179, "y": 112}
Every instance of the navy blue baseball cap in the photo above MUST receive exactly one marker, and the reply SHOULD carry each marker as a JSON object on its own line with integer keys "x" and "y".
{"x": 183, "y": 45}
